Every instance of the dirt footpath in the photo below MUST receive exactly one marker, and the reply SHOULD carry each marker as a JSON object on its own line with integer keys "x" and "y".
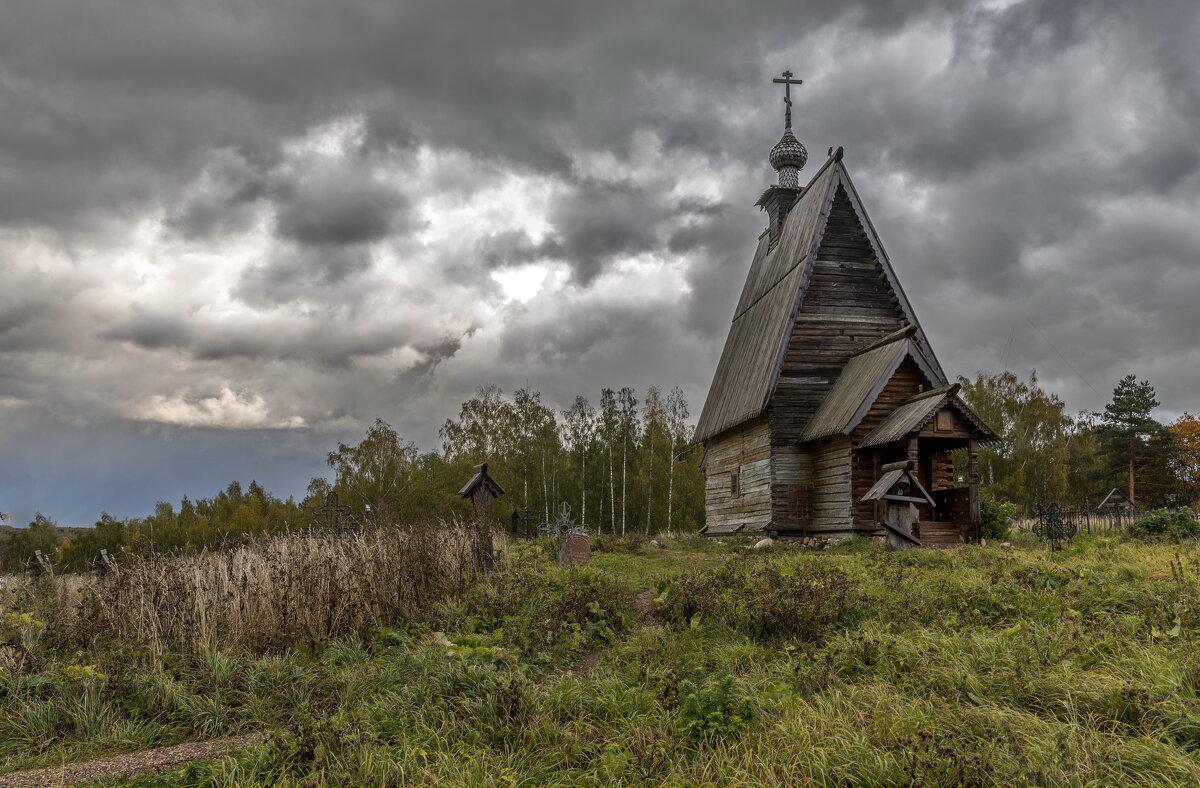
{"x": 130, "y": 763}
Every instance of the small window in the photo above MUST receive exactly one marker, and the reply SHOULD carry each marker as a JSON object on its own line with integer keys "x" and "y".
{"x": 735, "y": 483}
{"x": 945, "y": 421}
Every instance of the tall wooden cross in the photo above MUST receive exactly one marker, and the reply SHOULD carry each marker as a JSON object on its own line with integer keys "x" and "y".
{"x": 787, "y": 83}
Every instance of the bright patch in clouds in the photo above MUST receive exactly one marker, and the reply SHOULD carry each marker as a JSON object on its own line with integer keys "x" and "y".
{"x": 230, "y": 409}
{"x": 521, "y": 284}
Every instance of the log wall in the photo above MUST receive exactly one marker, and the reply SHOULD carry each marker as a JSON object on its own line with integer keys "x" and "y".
{"x": 847, "y": 304}
{"x": 791, "y": 470}
{"x": 832, "y": 508}
{"x": 747, "y": 450}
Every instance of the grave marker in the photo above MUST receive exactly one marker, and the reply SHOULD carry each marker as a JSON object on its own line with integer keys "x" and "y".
{"x": 482, "y": 489}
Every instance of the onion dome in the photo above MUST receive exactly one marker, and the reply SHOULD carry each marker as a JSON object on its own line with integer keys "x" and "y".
{"x": 788, "y": 157}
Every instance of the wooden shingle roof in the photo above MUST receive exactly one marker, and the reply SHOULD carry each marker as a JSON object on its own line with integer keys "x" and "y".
{"x": 915, "y": 412}
{"x": 750, "y": 363}
{"x": 863, "y": 377}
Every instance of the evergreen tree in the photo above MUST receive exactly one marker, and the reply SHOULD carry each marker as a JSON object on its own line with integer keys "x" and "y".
{"x": 1130, "y": 438}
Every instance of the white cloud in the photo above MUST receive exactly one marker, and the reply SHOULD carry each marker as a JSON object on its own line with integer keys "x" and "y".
{"x": 229, "y": 409}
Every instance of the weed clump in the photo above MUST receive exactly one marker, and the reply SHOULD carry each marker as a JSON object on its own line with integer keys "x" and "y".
{"x": 547, "y": 613}
{"x": 762, "y": 600}
{"x": 716, "y": 707}
{"x": 1166, "y": 525}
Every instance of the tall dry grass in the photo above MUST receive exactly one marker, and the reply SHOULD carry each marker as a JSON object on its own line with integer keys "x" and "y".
{"x": 266, "y": 595}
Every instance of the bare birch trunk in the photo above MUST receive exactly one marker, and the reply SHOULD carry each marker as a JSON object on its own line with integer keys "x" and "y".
{"x": 624, "y": 454}
{"x": 670, "y": 487}
{"x": 649, "y": 484}
{"x": 612, "y": 491}
{"x": 545, "y": 490}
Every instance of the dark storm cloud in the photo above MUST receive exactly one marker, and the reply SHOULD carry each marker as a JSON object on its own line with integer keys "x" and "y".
{"x": 300, "y": 205}
{"x": 515, "y": 247}
{"x": 150, "y": 328}
{"x": 297, "y": 273}
{"x": 339, "y": 208}
{"x": 600, "y": 221}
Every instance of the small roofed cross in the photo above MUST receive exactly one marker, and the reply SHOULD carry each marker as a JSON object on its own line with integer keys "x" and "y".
{"x": 787, "y": 83}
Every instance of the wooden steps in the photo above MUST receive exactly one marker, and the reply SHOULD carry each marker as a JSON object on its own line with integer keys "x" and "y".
{"x": 940, "y": 535}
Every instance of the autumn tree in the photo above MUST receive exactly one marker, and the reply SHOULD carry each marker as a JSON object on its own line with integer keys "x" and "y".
{"x": 1185, "y": 440}
{"x": 675, "y": 420}
{"x": 1031, "y": 463}
{"x": 483, "y": 424}
{"x": 379, "y": 471}
{"x": 608, "y": 431}
{"x": 654, "y": 439}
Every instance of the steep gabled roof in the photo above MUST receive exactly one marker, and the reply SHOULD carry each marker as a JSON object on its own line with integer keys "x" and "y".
{"x": 1116, "y": 496}
{"x": 750, "y": 363}
{"x": 863, "y": 377}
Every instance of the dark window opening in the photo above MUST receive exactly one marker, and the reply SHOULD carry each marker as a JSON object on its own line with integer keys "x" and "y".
{"x": 735, "y": 483}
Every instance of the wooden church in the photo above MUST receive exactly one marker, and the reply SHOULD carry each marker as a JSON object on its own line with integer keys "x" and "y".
{"x": 829, "y": 414}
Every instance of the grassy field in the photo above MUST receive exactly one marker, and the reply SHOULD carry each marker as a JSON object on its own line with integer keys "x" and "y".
{"x": 845, "y": 667}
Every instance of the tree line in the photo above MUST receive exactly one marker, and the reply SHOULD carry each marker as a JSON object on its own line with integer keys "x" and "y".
{"x": 621, "y": 466}
{"x": 1045, "y": 454}
{"x": 624, "y": 466}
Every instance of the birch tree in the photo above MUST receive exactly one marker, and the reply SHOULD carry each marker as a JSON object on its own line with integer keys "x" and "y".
{"x": 608, "y": 426}
{"x": 627, "y": 417}
{"x": 580, "y": 423}
{"x": 652, "y": 418}
{"x": 676, "y": 421}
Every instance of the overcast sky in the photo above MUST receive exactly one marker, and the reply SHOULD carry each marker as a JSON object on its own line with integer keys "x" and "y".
{"x": 233, "y": 233}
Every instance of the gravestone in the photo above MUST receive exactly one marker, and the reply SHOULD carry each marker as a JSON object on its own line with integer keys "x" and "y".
{"x": 576, "y": 549}
{"x": 575, "y": 546}
{"x": 104, "y": 565}
{"x": 39, "y": 565}
{"x": 332, "y": 517}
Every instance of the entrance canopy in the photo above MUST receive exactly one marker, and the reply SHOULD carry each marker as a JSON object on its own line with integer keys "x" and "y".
{"x": 938, "y": 414}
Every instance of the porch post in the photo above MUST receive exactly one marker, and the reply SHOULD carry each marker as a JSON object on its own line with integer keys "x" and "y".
{"x": 973, "y": 475}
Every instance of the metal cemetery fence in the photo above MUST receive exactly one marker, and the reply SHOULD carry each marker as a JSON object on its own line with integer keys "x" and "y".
{"x": 1052, "y": 520}
{"x": 332, "y": 518}
{"x": 1106, "y": 522}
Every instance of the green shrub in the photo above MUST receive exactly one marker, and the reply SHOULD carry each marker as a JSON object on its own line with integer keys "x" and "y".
{"x": 761, "y": 599}
{"x": 617, "y": 544}
{"x": 1166, "y": 524}
{"x": 714, "y": 707}
{"x": 547, "y": 613}
{"x": 996, "y": 517}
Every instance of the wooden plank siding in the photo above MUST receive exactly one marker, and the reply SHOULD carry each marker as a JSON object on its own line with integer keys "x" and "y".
{"x": 847, "y": 305}
{"x": 832, "y": 510}
{"x": 745, "y": 449}
{"x": 792, "y": 487}
{"x": 906, "y": 381}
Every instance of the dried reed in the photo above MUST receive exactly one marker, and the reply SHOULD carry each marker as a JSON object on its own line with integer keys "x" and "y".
{"x": 265, "y": 595}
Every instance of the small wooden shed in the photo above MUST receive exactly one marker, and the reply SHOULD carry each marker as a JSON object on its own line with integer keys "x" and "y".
{"x": 827, "y": 377}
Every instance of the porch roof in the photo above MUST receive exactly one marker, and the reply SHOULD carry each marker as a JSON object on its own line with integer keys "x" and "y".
{"x": 915, "y": 412}
{"x": 860, "y": 382}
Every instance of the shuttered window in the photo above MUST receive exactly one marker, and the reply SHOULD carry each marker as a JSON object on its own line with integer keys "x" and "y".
{"x": 735, "y": 483}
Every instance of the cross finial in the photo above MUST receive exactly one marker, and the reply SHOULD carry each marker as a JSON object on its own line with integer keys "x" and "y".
{"x": 787, "y": 83}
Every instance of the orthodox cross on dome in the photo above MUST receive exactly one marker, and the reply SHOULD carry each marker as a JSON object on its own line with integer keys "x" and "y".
{"x": 787, "y": 83}
{"x": 789, "y": 155}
